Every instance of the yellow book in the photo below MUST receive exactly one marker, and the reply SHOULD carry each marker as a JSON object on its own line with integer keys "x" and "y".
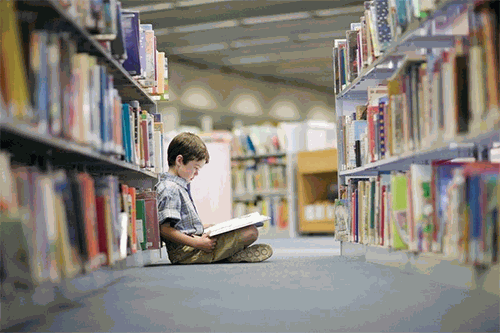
{"x": 13, "y": 78}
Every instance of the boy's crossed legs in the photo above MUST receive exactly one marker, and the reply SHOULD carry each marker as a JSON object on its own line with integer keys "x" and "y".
{"x": 232, "y": 246}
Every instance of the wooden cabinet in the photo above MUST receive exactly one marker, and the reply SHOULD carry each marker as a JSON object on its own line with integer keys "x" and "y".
{"x": 316, "y": 172}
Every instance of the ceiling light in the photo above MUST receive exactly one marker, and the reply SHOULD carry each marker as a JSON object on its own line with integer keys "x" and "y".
{"x": 261, "y": 41}
{"x": 339, "y": 11}
{"x": 253, "y": 60}
{"x": 275, "y": 18}
{"x": 152, "y": 8}
{"x": 206, "y": 26}
{"x": 247, "y": 105}
{"x": 188, "y": 3}
{"x": 199, "y": 48}
{"x": 322, "y": 35}
{"x": 161, "y": 32}
{"x": 284, "y": 110}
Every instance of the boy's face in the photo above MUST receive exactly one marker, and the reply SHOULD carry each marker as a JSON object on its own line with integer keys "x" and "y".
{"x": 190, "y": 170}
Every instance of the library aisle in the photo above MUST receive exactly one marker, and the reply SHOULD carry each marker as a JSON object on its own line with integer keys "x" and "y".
{"x": 294, "y": 291}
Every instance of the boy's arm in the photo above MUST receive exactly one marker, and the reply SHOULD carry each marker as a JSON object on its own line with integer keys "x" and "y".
{"x": 204, "y": 242}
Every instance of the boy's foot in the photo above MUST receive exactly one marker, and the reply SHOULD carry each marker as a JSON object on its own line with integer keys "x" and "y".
{"x": 254, "y": 253}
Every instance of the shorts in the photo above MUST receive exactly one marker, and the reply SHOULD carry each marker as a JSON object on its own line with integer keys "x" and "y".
{"x": 227, "y": 244}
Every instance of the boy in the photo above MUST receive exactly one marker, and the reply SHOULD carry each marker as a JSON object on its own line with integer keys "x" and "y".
{"x": 180, "y": 225}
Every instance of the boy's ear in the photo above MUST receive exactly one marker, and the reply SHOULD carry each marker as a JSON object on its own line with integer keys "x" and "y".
{"x": 179, "y": 159}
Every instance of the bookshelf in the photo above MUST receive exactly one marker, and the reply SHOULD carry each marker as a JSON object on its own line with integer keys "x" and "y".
{"x": 431, "y": 96}
{"x": 264, "y": 183}
{"x": 316, "y": 172}
{"x": 52, "y": 10}
{"x": 69, "y": 202}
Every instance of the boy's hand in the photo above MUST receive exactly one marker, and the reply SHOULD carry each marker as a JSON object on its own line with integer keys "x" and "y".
{"x": 206, "y": 243}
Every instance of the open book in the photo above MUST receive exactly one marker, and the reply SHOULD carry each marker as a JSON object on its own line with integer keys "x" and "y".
{"x": 237, "y": 223}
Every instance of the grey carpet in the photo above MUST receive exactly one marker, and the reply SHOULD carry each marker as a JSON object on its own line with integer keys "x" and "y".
{"x": 288, "y": 293}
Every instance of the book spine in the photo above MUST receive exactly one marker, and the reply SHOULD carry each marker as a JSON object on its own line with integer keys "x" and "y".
{"x": 54, "y": 64}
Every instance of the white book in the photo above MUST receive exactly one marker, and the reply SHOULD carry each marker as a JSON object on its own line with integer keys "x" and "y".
{"x": 237, "y": 223}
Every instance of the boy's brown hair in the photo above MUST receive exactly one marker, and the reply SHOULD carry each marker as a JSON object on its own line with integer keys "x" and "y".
{"x": 190, "y": 146}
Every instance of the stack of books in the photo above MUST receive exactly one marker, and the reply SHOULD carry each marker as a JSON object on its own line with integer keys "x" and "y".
{"x": 446, "y": 207}
{"x": 64, "y": 223}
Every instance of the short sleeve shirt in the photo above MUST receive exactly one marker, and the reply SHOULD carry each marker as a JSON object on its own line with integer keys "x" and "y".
{"x": 175, "y": 203}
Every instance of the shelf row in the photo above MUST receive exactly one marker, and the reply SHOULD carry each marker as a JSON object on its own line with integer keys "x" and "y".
{"x": 441, "y": 103}
{"x": 446, "y": 207}
{"x": 465, "y": 148}
{"x": 258, "y": 156}
{"x": 253, "y": 196}
{"x": 26, "y": 145}
{"x": 68, "y": 223}
{"x": 53, "y": 10}
{"x": 427, "y": 29}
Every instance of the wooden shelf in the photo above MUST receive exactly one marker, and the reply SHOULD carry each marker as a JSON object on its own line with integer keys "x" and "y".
{"x": 316, "y": 171}
{"x": 311, "y": 162}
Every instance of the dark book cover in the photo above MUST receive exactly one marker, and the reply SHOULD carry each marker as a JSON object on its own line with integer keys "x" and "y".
{"x": 357, "y": 151}
{"x": 62, "y": 186}
{"x": 68, "y": 51}
{"x": 352, "y": 51}
{"x": 118, "y": 45}
{"x": 131, "y": 34}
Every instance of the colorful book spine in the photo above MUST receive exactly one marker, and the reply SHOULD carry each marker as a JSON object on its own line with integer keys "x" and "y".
{"x": 140, "y": 224}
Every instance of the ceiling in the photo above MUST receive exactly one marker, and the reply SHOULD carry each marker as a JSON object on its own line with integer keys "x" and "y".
{"x": 275, "y": 41}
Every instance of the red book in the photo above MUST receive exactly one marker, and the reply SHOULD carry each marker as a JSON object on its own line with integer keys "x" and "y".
{"x": 104, "y": 227}
{"x": 90, "y": 221}
{"x": 372, "y": 118}
{"x": 133, "y": 216}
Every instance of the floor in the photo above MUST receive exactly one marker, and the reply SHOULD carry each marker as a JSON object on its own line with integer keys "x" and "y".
{"x": 305, "y": 287}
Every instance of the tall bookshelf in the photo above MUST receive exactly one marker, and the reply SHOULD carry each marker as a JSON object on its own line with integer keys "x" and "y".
{"x": 24, "y": 145}
{"x": 434, "y": 124}
{"x": 264, "y": 183}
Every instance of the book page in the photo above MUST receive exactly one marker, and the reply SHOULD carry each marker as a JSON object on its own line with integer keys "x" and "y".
{"x": 237, "y": 223}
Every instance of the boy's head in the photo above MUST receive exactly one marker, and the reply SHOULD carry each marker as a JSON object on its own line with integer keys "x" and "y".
{"x": 187, "y": 153}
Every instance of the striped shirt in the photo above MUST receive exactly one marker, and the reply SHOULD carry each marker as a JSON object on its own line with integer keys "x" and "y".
{"x": 175, "y": 204}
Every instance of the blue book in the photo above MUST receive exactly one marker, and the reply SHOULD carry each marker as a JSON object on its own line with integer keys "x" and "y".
{"x": 383, "y": 101}
{"x": 475, "y": 204}
{"x": 342, "y": 67}
{"x": 130, "y": 24}
{"x": 39, "y": 79}
{"x": 384, "y": 34}
{"x": 360, "y": 127}
{"x": 401, "y": 14}
{"x": 157, "y": 117}
{"x": 251, "y": 147}
{"x": 127, "y": 147}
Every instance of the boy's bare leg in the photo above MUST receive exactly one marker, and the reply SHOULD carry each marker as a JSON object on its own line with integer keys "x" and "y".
{"x": 249, "y": 235}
